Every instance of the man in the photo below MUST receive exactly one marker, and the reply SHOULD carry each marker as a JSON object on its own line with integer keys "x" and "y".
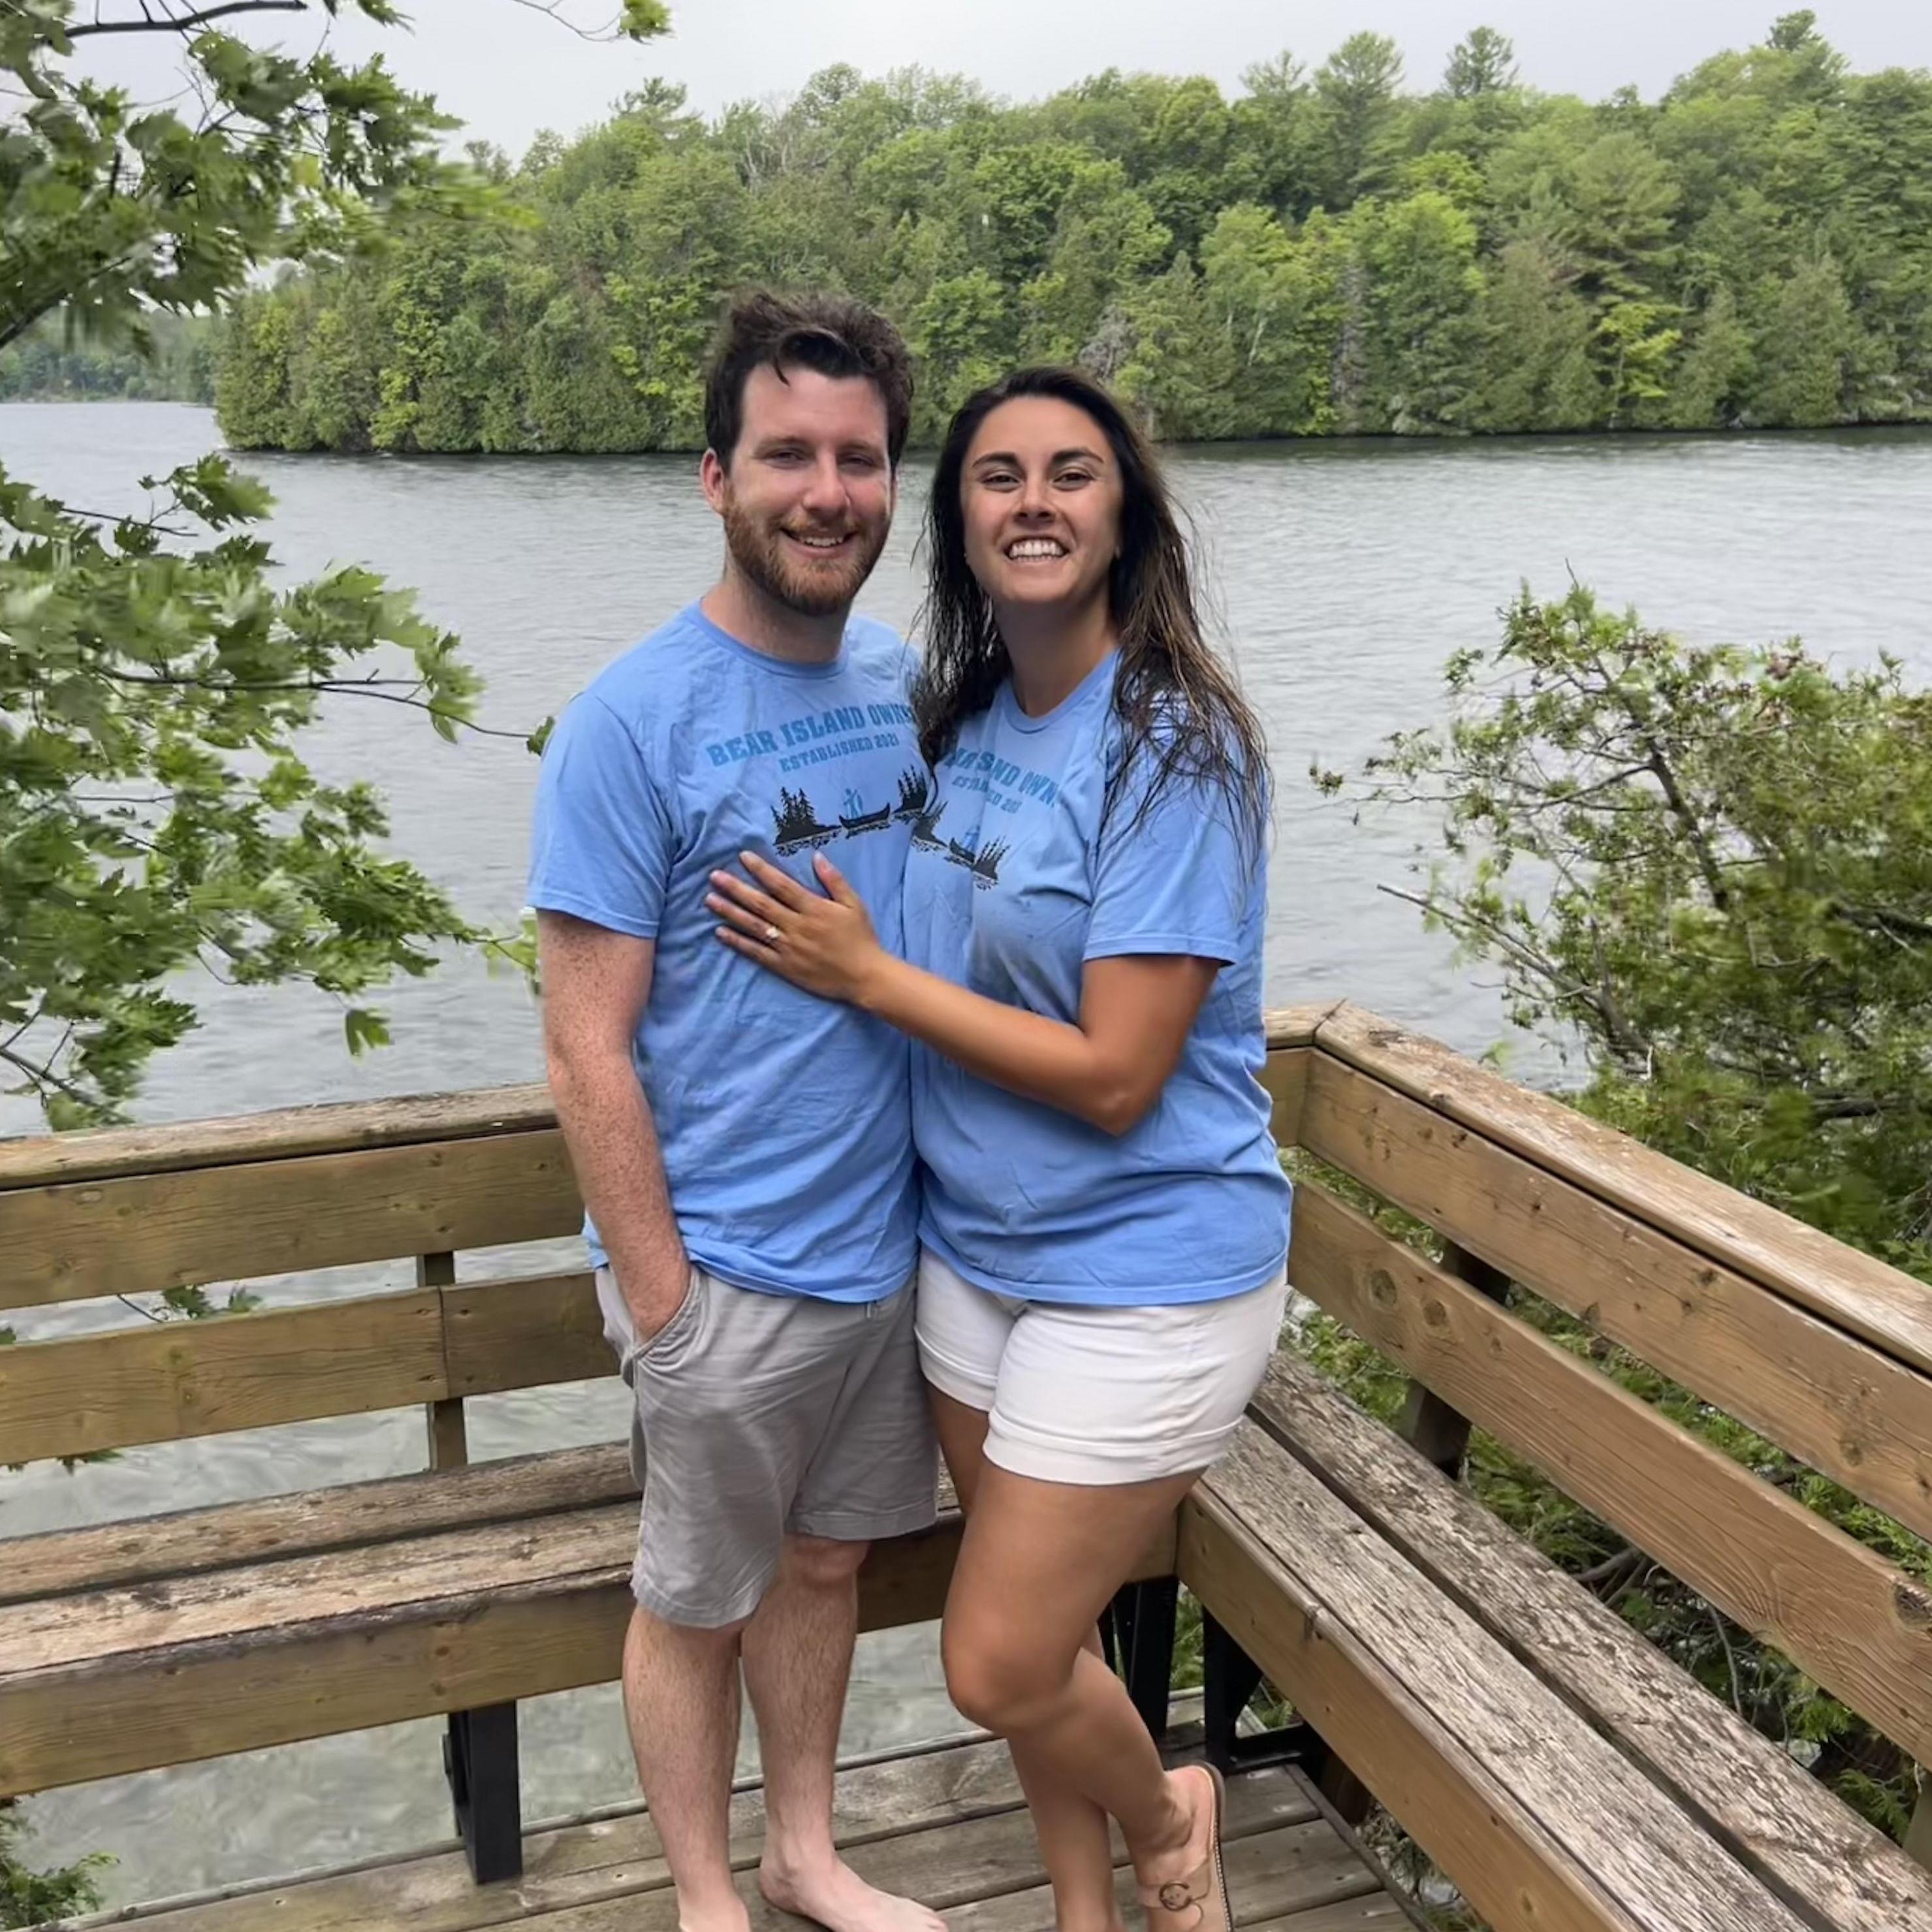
{"x": 744, "y": 1150}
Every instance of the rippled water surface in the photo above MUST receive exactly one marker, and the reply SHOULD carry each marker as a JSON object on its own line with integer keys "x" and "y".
{"x": 1344, "y": 574}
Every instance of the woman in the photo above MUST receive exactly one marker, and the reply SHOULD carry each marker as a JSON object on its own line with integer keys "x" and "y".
{"x": 1106, "y": 1220}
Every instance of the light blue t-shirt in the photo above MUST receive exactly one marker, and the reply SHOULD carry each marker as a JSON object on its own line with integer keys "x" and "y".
{"x": 1013, "y": 885}
{"x": 783, "y": 1120}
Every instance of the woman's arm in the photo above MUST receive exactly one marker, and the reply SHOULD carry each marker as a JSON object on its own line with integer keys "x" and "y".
{"x": 1108, "y": 1069}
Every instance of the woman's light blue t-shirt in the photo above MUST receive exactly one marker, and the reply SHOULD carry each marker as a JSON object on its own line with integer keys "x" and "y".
{"x": 783, "y": 1119}
{"x": 1013, "y": 883}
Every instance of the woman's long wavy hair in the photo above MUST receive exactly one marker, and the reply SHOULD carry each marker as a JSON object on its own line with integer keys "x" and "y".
{"x": 1177, "y": 703}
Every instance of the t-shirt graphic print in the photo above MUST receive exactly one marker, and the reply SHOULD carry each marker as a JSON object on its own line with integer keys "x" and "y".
{"x": 783, "y": 1119}
{"x": 1021, "y": 871}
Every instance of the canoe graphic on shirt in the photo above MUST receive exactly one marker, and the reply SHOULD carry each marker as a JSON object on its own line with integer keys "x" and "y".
{"x": 983, "y": 861}
{"x": 853, "y": 817}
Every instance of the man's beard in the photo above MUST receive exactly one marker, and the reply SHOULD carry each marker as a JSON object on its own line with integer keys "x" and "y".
{"x": 763, "y": 553}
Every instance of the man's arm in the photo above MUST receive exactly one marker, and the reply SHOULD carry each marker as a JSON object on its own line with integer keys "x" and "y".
{"x": 596, "y": 983}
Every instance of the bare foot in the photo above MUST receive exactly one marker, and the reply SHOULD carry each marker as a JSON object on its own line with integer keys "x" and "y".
{"x": 839, "y": 1899}
{"x": 1192, "y": 1789}
{"x": 726, "y": 1914}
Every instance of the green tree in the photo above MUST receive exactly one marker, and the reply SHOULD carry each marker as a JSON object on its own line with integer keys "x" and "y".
{"x": 1604, "y": 238}
{"x": 1732, "y": 949}
{"x": 1277, "y": 134}
{"x": 1738, "y": 943}
{"x": 1483, "y": 63}
{"x": 1419, "y": 256}
{"x": 154, "y": 677}
{"x": 1107, "y": 234}
{"x": 1180, "y": 368}
{"x": 28, "y": 1897}
{"x": 1537, "y": 372}
{"x": 1356, "y": 88}
{"x": 1274, "y": 298}
{"x": 1714, "y": 375}
{"x": 1806, "y": 350}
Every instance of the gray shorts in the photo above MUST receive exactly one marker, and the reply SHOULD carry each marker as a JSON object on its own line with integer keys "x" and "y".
{"x": 760, "y": 1416}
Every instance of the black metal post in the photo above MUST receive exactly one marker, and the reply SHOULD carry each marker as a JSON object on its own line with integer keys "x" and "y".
{"x": 479, "y": 1758}
{"x": 1229, "y": 1678}
{"x": 1138, "y": 1636}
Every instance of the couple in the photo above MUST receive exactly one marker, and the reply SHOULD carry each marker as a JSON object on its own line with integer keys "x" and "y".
{"x": 903, "y": 1018}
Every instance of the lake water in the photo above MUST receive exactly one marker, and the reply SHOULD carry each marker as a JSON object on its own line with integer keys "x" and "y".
{"x": 1343, "y": 575}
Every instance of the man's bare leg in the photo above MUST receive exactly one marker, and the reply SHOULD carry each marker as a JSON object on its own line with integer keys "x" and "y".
{"x": 681, "y": 1701}
{"x": 798, "y": 1660}
{"x": 1075, "y": 1845}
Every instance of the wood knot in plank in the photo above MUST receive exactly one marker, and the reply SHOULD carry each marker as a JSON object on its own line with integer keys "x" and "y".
{"x": 1913, "y": 1602}
{"x": 1382, "y": 1286}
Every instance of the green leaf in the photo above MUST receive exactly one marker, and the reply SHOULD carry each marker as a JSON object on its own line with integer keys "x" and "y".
{"x": 364, "y": 1029}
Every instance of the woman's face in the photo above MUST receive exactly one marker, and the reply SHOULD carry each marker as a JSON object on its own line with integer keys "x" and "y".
{"x": 1040, "y": 494}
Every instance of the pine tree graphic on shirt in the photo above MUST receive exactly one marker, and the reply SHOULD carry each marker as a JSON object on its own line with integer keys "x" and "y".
{"x": 915, "y": 794}
{"x": 797, "y": 821}
{"x": 926, "y": 826}
{"x": 982, "y": 862}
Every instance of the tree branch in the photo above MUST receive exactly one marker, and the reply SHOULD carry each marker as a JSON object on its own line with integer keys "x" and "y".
{"x": 45, "y": 1076}
{"x": 341, "y": 687}
{"x": 554, "y": 9}
{"x": 176, "y": 23}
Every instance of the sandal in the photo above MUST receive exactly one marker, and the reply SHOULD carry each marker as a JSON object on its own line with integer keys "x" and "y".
{"x": 1197, "y": 1903}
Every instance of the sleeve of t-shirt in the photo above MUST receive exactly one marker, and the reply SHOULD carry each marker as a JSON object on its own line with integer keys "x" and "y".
{"x": 1173, "y": 877}
{"x": 601, "y": 845}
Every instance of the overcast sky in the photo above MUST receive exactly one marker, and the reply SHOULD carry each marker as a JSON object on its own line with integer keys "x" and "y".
{"x": 508, "y": 71}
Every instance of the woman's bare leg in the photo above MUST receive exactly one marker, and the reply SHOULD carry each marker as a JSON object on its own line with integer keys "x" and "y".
{"x": 1061, "y": 1551}
{"x": 1074, "y": 1844}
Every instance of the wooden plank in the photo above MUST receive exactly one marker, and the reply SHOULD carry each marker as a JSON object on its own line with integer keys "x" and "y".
{"x": 409, "y": 1577}
{"x": 147, "y": 1231}
{"x": 446, "y": 1433}
{"x": 162, "y": 1383}
{"x": 1775, "y": 1819}
{"x": 1435, "y": 1428}
{"x": 980, "y": 1872}
{"x": 1856, "y": 1290}
{"x": 165, "y": 1381}
{"x": 900, "y": 1796}
{"x": 350, "y": 1516}
{"x": 1379, "y": 1910}
{"x": 1285, "y": 1076}
{"x": 337, "y": 1127}
{"x": 1305, "y": 1870}
{"x": 1295, "y": 1026}
{"x": 227, "y": 1535}
{"x": 964, "y": 1773}
{"x": 1860, "y": 1627}
{"x": 1520, "y": 1878}
{"x": 1542, "y": 1823}
{"x": 1835, "y": 1403}
{"x": 610, "y": 1858}
{"x": 522, "y": 1333}
{"x": 168, "y": 1674}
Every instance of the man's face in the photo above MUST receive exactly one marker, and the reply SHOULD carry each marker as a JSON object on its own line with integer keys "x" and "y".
{"x": 808, "y": 496}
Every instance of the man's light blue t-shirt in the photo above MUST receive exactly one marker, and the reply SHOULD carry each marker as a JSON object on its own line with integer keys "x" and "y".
{"x": 783, "y": 1120}
{"x": 1014, "y": 883}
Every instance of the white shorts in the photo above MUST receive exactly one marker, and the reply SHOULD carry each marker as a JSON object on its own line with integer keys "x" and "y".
{"x": 1097, "y": 1396}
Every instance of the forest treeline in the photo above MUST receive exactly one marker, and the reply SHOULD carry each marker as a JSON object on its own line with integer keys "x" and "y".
{"x": 53, "y": 364}
{"x": 1331, "y": 253}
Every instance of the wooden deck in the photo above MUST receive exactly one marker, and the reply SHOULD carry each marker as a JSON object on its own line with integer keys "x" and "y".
{"x": 943, "y": 1823}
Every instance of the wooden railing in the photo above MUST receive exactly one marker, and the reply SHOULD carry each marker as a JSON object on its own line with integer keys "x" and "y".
{"x": 1826, "y": 1352}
